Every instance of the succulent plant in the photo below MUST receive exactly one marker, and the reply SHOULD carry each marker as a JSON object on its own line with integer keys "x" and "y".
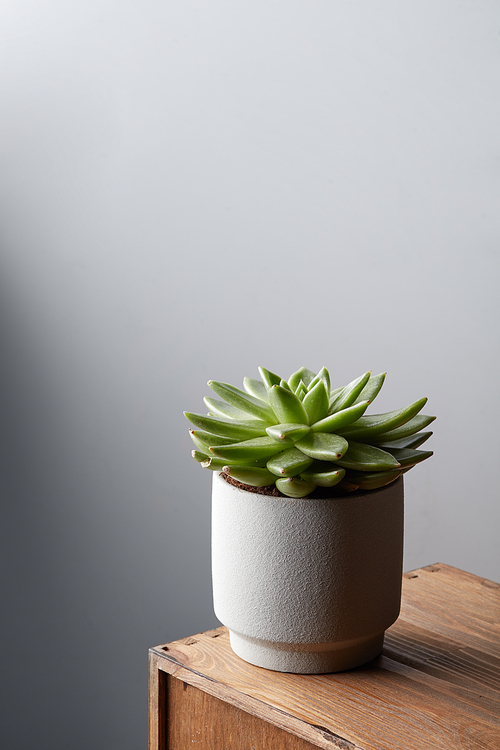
{"x": 299, "y": 434}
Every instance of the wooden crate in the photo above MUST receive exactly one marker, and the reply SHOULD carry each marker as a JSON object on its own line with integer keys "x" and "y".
{"x": 435, "y": 686}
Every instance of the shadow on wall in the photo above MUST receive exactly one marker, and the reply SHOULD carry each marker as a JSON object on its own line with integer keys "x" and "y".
{"x": 55, "y": 643}
{"x": 92, "y": 566}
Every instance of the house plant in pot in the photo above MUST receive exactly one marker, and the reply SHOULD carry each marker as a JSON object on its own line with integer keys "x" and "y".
{"x": 307, "y": 515}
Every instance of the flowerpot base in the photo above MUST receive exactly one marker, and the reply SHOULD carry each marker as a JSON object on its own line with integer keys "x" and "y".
{"x": 307, "y": 658}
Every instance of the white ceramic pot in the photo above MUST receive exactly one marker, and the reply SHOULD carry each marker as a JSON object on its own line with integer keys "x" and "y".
{"x": 307, "y": 586}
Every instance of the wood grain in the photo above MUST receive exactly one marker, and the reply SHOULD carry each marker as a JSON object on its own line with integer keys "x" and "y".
{"x": 436, "y": 684}
{"x": 198, "y": 719}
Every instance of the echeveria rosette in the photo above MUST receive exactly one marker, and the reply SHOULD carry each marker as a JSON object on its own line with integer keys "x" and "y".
{"x": 300, "y": 434}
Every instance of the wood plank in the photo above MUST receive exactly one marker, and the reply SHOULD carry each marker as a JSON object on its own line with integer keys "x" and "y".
{"x": 370, "y": 707}
{"x": 157, "y": 704}
{"x": 199, "y": 719}
{"x": 436, "y": 685}
{"x": 443, "y": 658}
{"x": 318, "y": 736}
{"x": 445, "y": 600}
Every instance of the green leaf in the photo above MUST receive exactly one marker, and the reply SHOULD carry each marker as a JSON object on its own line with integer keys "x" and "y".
{"x": 199, "y": 456}
{"x": 407, "y": 457}
{"x": 287, "y": 433}
{"x": 372, "y": 388}
{"x": 412, "y": 441}
{"x": 362, "y": 457}
{"x": 286, "y": 405}
{"x": 333, "y": 395}
{"x": 323, "y": 478}
{"x": 255, "y": 477}
{"x": 255, "y": 388}
{"x": 324, "y": 375}
{"x": 320, "y": 467}
{"x": 261, "y": 447}
{"x": 341, "y": 418}
{"x": 348, "y": 395}
{"x": 221, "y": 409}
{"x": 203, "y": 440}
{"x": 227, "y": 427}
{"x": 295, "y": 487}
{"x": 285, "y": 385}
{"x": 323, "y": 446}
{"x": 301, "y": 391}
{"x": 242, "y": 400}
{"x": 307, "y": 376}
{"x": 214, "y": 464}
{"x": 269, "y": 377}
{"x": 368, "y": 427}
{"x": 316, "y": 402}
{"x": 219, "y": 464}
{"x": 369, "y": 480}
{"x": 420, "y": 422}
{"x": 289, "y": 463}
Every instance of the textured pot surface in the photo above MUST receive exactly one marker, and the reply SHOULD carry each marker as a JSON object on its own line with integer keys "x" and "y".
{"x": 307, "y": 585}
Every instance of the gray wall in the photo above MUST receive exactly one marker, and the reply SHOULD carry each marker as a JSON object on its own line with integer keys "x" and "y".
{"x": 190, "y": 190}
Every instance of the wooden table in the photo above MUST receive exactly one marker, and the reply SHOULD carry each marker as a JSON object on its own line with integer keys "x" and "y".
{"x": 435, "y": 686}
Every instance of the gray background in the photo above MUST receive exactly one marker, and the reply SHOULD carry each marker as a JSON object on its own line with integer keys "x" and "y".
{"x": 190, "y": 190}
